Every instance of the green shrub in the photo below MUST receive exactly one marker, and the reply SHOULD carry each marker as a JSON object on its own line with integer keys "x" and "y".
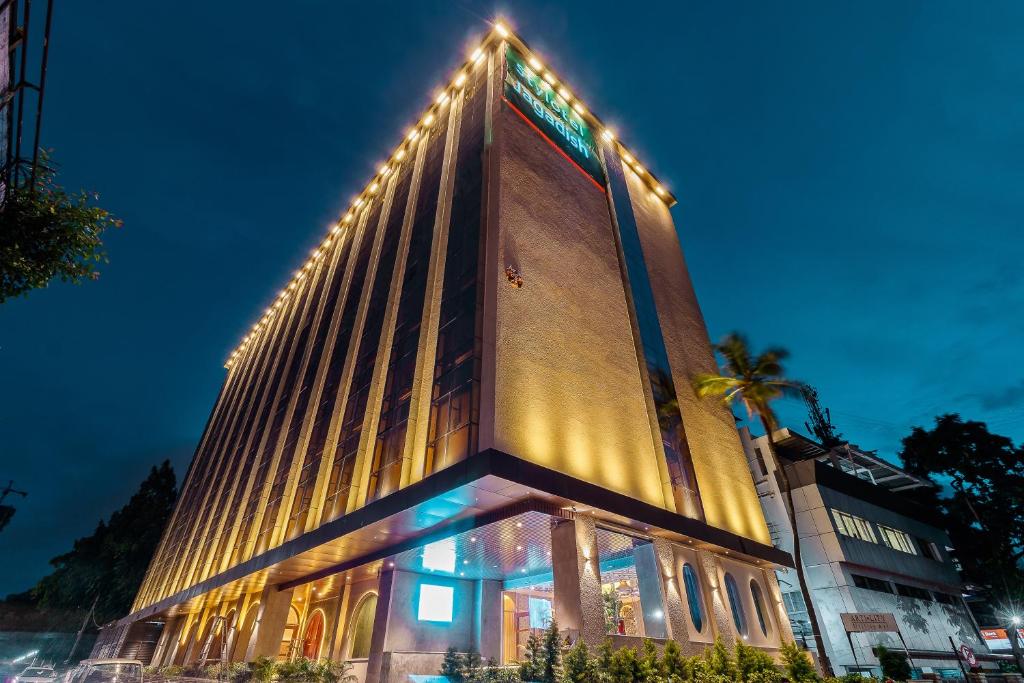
{"x": 894, "y": 664}
{"x": 261, "y": 669}
{"x": 651, "y": 668}
{"x": 171, "y": 671}
{"x": 797, "y": 664}
{"x": 755, "y": 666}
{"x": 673, "y": 663}
{"x": 625, "y": 666}
{"x": 576, "y": 665}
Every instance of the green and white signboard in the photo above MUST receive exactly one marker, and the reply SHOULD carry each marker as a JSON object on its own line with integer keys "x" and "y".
{"x": 536, "y": 100}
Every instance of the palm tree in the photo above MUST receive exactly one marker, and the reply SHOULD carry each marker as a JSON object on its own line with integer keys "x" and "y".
{"x": 756, "y": 381}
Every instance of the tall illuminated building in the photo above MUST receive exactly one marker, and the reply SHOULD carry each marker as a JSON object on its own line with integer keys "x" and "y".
{"x": 469, "y": 413}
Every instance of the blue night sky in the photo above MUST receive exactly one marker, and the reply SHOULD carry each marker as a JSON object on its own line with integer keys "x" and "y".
{"x": 849, "y": 175}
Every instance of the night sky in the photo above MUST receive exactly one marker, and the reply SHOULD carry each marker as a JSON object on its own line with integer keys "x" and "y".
{"x": 850, "y": 184}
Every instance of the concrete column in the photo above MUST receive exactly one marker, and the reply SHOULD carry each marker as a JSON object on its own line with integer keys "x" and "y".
{"x": 673, "y": 593}
{"x": 718, "y": 605}
{"x": 378, "y": 641}
{"x": 338, "y": 624}
{"x": 487, "y": 618}
{"x": 175, "y": 646}
{"x": 651, "y": 584}
{"x": 172, "y": 629}
{"x": 579, "y": 605}
{"x": 270, "y": 623}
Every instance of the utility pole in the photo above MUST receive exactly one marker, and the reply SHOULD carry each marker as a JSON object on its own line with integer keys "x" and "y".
{"x": 85, "y": 622}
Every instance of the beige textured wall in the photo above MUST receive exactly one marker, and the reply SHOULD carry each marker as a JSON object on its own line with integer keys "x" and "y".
{"x": 726, "y": 487}
{"x": 568, "y": 391}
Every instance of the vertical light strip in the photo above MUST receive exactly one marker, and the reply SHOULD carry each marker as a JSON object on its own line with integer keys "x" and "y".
{"x": 207, "y": 507}
{"x": 254, "y": 421}
{"x": 423, "y": 379}
{"x": 652, "y": 350}
{"x": 272, "y": 499}
{"x": 294, "y": 458}
{"x": 260, "y": 490}
{"x": 239, "y": 449}
{"x": 303, "y": 444}
{"x": 207, "y": 562}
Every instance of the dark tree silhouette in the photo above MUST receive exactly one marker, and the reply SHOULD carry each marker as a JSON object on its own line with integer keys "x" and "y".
{"x": 113, "y": 560}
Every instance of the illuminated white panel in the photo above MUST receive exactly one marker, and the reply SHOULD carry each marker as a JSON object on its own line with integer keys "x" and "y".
{"x": 440, "y": 556}
{"x": 436, "y": 603}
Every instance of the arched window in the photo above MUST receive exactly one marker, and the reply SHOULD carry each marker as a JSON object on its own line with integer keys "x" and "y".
{"x": 291, "y": 633}
{"x": 362, "y": 627}
{"x": 762, "y": 620}
{"x": 314, "y": 637}
{"x": 739, "y": 617}
{"x": 693, "y": 597}
{"x": 244, "y": 634}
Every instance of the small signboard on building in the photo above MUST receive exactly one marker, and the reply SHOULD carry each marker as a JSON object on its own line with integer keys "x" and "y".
{"x": 869, "y": 622}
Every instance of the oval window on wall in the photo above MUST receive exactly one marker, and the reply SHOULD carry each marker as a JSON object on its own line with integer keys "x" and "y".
{"x": 693, "y": 597}
{"x": 762, "y": 620}
{"x": 739, "y": 617}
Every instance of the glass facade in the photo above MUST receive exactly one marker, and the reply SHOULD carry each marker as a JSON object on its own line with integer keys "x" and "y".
{"x": 454, "y": 402}
{"x": 652, "y": 343}
{"x": 389, "y": 446}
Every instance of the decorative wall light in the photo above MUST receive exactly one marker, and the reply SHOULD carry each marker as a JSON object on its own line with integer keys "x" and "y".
{"x": 513, "y": 276}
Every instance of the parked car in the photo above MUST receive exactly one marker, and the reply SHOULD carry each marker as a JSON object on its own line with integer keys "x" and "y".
{"x": 105, "y": 671}
{"x": 36, "y": 674}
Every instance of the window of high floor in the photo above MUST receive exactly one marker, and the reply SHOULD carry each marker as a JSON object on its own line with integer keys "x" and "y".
{"x": 897, "y": 540}
{"x": 871, "y": 583}
{"x": 854, "y": 526}
{"x": 945, "y": 598}
{"x": 913, "y": 592}
{"x": 929, "y": 549}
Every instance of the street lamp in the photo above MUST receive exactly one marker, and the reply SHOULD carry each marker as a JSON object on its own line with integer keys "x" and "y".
{"x": 1014, "y": 636}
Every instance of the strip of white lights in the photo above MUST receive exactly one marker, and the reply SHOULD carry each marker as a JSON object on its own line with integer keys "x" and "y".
{"x": 498, "y": 33}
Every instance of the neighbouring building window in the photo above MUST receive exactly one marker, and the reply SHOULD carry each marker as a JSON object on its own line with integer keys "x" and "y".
{"x": 692, "y": 586}
{"x": 913, "y": 592}
{"x": 897, "y": 540}
{"x": 759, "y": 606}
{"x": 739, "y": 616}
{"x": 760, "y": 462}
{"x": 854, "y": 526}
{"x": 945, "y": 598}
{"x": 929, "y": 549}
{"x": 871, "y": 584}
{"x": 796, "y": 609}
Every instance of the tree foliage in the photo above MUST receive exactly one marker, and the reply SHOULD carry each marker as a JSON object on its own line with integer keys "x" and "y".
{"x": 111, "y": 562}
{"x": 47, "y": 233}
{"x": 756, "y": 381}
{"x": 894, "y": 664}
{"x": 983, "y": 507}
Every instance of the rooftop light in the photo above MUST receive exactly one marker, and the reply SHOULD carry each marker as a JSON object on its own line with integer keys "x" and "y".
{"x": 501, "y": 30}
{"x": 460, "y": 80}
{"x": 608, "y": 134}
{"x": 535, "y": 64}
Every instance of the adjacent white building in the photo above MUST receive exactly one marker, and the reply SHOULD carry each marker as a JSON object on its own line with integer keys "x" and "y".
{"x": 867, "y": 548}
